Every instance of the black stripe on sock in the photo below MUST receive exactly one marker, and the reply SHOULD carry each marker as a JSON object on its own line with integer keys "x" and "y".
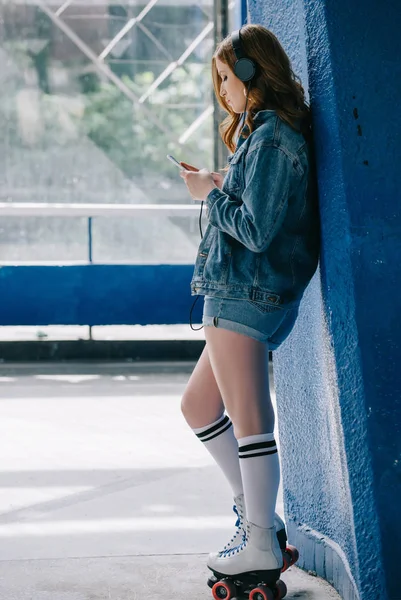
{"x": 257, "y": 446}
{"x": 218, "y": 433}
{"x": 214, "y": 428}
{"x": 260, "y": 454}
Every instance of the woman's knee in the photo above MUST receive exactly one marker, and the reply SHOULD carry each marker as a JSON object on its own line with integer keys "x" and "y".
{"x": 187, "y": 404}
{"x": 201, "y": 402}
{"x": 198, "y": 412}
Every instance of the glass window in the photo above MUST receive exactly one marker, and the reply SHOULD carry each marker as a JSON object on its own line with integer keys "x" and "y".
{"x": 94, "y": 95}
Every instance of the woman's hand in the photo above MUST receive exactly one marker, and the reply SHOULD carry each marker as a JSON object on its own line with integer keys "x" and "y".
{"x": 199, "y": 184}
{"x": 218, "y": 179}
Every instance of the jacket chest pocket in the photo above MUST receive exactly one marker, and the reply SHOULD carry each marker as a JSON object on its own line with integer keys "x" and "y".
{"x": 235, "y": 176}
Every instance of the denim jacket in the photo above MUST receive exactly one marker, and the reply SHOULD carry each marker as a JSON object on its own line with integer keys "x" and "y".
{"x": 262, "y": 240}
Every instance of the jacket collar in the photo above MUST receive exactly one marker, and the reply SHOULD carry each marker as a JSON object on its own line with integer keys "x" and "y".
{"x": 263, "y": 115}
{"x": 260, "y": 117}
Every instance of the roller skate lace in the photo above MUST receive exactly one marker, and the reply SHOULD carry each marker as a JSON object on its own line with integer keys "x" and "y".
{"x": 241, "y": 546}
{"x": 238, "y": 525}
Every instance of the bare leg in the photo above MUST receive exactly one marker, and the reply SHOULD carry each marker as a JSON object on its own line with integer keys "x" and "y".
{"x": 203, "y": 409}
{"x": 241, "y": 368}
{"x": 202, "y": 402}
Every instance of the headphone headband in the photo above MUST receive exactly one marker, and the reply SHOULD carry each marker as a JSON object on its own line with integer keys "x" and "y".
{"x": 244, "y": 68}
{"x": 236, "y": 42}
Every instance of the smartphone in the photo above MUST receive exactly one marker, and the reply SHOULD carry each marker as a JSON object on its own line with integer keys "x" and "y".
{"x": 175, "y": 162}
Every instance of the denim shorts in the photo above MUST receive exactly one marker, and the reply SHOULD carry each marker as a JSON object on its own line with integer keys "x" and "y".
{"x": 257, "y": 320}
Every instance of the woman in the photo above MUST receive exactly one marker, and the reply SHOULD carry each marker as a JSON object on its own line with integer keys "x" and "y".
{"x": 254, "y": 262}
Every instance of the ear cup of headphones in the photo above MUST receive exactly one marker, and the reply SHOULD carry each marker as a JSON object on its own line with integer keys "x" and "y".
{"x": 245, "y": 69}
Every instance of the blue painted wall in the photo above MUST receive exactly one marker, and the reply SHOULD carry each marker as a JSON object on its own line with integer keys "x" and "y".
{"x": 337, "y": 376}
{"x": 97, "y": 295}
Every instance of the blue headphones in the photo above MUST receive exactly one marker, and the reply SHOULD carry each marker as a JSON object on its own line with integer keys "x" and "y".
{"x": 244, "y": 68}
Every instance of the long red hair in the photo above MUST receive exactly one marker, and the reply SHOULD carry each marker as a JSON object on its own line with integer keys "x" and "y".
{"x": 274, "y": 87}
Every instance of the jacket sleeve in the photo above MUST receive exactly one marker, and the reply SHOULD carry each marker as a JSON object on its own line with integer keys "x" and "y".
{"x": 255, "y": 221}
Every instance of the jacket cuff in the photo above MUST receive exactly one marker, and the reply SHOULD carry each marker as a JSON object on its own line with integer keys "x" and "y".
{"x": 213, "y": 196}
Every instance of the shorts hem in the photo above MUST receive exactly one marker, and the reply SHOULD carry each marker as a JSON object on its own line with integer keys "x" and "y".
{"x": 237, "y": 328}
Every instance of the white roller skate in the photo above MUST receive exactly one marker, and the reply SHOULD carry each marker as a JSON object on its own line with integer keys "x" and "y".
{"x": 238, "y": 537}
{"x": 250, "y": 564}
{"x": 259, "y": 552}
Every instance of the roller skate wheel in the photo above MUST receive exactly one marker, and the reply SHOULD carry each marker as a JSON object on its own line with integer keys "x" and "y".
{"x": 286, "y": 561}
{"x": 294, "y": 554}
{"x": 280, "y": 591}
{"x": 224, "y": 590}
{"x": 262, "y": 592}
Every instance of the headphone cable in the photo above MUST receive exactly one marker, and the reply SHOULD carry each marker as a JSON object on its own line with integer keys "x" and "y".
{"x": 200, "y": 214}
{"x": 246, "y": 104}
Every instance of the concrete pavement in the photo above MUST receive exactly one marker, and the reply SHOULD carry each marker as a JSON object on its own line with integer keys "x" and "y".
{"x": 105, "y": 493}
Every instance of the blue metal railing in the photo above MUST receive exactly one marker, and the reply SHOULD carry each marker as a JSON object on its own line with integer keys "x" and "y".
{"x": 95, "y": 294}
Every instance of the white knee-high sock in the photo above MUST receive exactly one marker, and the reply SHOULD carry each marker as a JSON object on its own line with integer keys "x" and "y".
{"x": 260, "y": 470}
{"x": 222, "y": 444}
